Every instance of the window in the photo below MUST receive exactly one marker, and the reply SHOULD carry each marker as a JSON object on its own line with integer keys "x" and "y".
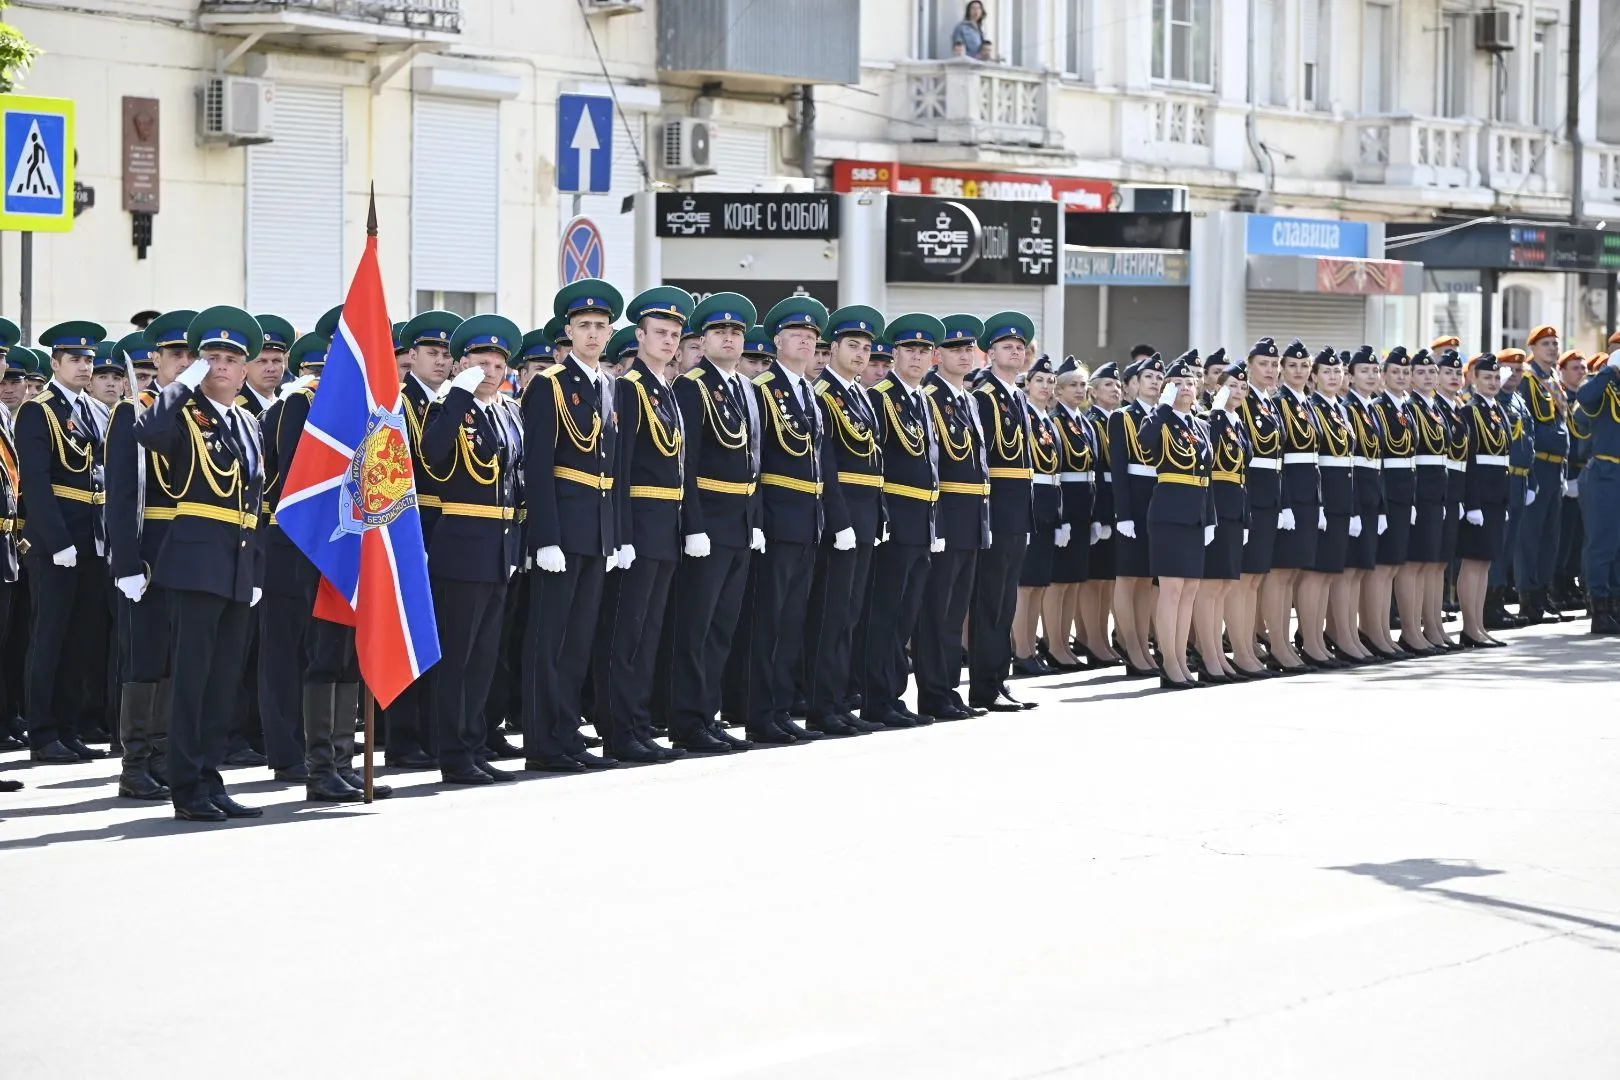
{"x": 455, "y": 211}
{"x": 1270, "y": 78}
{"x": 935, "y": 21}
{"x": 1181, "y": 35}
{"x": 1507, "y": 75}
{"x": 1313, "y": 32}
{"x": 1544, "y": 76}
{"x": 1076, "y": 46}
{"x": 465, "y": 304}
{"x": 1377, "y": 67}
{"x": 1456, "y": 53}
{"x": 1515, "y": 316}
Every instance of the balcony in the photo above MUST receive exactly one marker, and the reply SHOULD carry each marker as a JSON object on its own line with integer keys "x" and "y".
{"x": 341, "y": 24}
{"x": 782, "y": 41}
{"x": 1416, "y": 151}
{"x": 967, "y": 103}
{"x": 1514, "y": 159}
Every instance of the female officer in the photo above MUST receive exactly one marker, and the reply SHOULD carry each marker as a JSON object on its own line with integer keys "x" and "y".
{"x": 1132, "y": 465}
{"x": 1448, "y": 400}
{"x": 1337, "y": 521}
{"x": 1485, "y": 498}
{"x": 1180, "y": 517}
{"x": 1049, "y": 532}
{"x": 1264, "y": 493}
{"x": 1096, "y": 596}
{"x": 1367, "y": 467}
{"x": 1223, "y": 559}
{"x": 1301, "y": 516}
{"x": 1421, "y": 631}
{"x": 1077, "y": 442}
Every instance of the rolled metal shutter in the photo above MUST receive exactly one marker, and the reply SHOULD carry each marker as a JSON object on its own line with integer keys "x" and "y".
{"x": 741, "y": 157}
{"x": 618, "y": 228}
{"x": 455, "y": 195}
{"x": 294, "y": 241}
{"x": 968, "y": 300}
{"x": 1340, "y": 321}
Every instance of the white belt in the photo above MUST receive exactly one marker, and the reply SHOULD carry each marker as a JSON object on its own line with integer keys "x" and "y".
{"x": 1456, "y": 466}
{"x": 1333, "y": 462}
{"x": 1397, "y": 463}
{"x": 1299, "y": 459}
{"x": 1366, "y": 462}
{"x": 1269, "y": 464}
{"x": 1142, "y": 470}
{"x": 1429, "y": 459}
{"x": 1076, "y": 477}
{"x": 1049, "y": 479}
{"x": 1499, "y": 460}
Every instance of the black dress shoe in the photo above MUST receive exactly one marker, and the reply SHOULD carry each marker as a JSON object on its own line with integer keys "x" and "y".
{"x": 771, "y": 736}
{"x": 233, "y": 809}
{"x": 501, "y": 750}
{"x": 701, "y": 742}
{"x": 1006, "y": 693}
{"x": 665, "y": 753}
{"x": 410, "y": 759}
{"x": 736, "y": 742}
{"x": 246, "y": 757}
{"x": 9, "y": 742}
{"x": 12, "y": 785}
{"x": 634, "y": 752}
{"x": 331, "y": 788}
{"x": 500, "y": 776}
{"x": 474, "y": 777}
{"x": 85, "y": 753}
{"x": 54, "y": 753}
{"x": 1029, "y": 667}
{"x": 558, "y": 763}
{"x": 1329, "y": 664}
{"x": 952, "y": 712}
{"x": 1141, "y": 672}
{"x": 1001, "y": 704}
{"x": 1167, "y": 683}
{"x": 595, "y": 762}
{"x": 198, "y": 809}
{"x": 296, "y": 774}
{"x": 832, "y": 727}
{"x": 1255, "y": 676}
{"x": 1206, "y": 679}
{"x": 894, "y": 721}
{"x": 799, "y": 733}
{"x": 140, "y": 785}
{"x": 861, "y": 725}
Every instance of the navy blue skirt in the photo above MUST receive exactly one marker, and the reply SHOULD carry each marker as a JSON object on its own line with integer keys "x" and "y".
{"x": 1362, "y": 551}
{"x": 1333, "y": 545}
{"x": 1262, "y": 544}
{"x": 1296, "y": 547}
{"x": 1223, "y": 559}
{"x": 1394, "y": 546}
{"x": 1449, "y": 528}
{"x": 1427, "y": 533}
{"x": 1101, "y": 560}
{"x": 1071, "y": 565}
{"x": 1131, "y": 556}
{"x": 1176, "y": 551}
{"x": 1483, "y": 543}
{"x": 1036, "y": 573}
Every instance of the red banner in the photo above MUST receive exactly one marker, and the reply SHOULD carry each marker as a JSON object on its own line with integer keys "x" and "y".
{"x": 1360, "y": 277}
{"x": 1074, "y": 192}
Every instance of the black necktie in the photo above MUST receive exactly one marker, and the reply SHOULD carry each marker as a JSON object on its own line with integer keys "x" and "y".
{"x": 238, "y": 443}
{"x": 81, "y": 410}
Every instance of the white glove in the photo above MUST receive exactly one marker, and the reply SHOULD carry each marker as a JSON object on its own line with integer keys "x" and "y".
{"x": 1321, "y": 520}
{"x": 988, "y": 537}
{"x": 258, "y": 594}
{"x": 759, "y": 540}
{"x": 1414, "y": 515}
{"x": 697, "y": 545}
{"x": 1474, "y": 517}
{"x": 468, "y": 380}
{"x": 68, "y": 556}
{"x": 1209, "y": 535}
{"x": 843, "y": 540}
{"x": 1529, "y": 496}
{"x": 883, "y": 534}
{"x": 1222, "y": 396}
{"x": 1168, "y": 395}
{"x": 133, "y": 587}
{"x": 627, "y": 555}
{"x": 937, "y": 546}
{"x": 1245, "y": 536}
{"x": 1355, "y": 525}
{"x": 612, "y": 562}
{"x": 300, "y": 383}
{"x": 1572, "y": 490}
{"x": 1096, "y": 532}
{"x": 1285, "y": 521}
{"x": 193, "y": 376}
{"x": 1127, "y": 529}
{"x": 551, "y": 559}
{"x": 1061, "y": 539}
{"x": 1383, "y": 523}
{"x": 1107, "y": 531}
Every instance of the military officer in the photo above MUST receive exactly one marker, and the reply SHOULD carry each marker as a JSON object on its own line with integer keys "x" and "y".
{"x": 1546, "y": 408}
{"x": 839, "y": 590}
{"x": 877, "y": 365}
{"x": 1521, "y": 482}
{"x": 10, "y": 555}
{"x": 106, "y": 383}
{"x": 570, "y": 436}
{"x": 621, "y": 350}
{"x": 1599, "y": 402}
{"x": 265, "y": 373}
{"x": 649, "y": 491}
{"x": 209, "y": 561}
{"x": 58, "y": 455}
{"x": 691, "y": 350}
{"x": 758, "y": 352}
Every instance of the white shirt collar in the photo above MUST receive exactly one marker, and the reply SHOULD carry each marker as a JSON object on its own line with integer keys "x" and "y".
{"x": 1012, "y": 391}
{"x": 426, "y": 389}
{"x": 1300, "y": 396}
{"x": 264, "y": 402}
{"x": 595, "y": 374}
{"x": 793, "y": 379}
{"x": 849, "y": 386}
{"x": 222, "y": 411}
{"x": 1363, "y": 398}
{"x": 72, "y": 396}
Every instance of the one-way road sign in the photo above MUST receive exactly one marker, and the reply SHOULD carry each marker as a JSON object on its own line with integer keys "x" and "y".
{"x": 584, "y": 144}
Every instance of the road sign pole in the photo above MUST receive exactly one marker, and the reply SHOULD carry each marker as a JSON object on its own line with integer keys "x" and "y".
{"x": 577, "y": 206}
{"x": 27, "y": 298}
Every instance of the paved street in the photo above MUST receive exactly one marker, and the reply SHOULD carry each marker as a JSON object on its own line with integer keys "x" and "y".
{"x": 1412, "y": 872}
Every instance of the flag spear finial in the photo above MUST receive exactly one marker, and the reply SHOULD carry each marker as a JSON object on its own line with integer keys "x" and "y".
{"x": 371, "y": 213}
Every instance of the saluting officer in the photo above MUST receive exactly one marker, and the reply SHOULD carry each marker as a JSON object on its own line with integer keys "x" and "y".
{"x": 471, "y": 443}
{"x": 58, "y": 452}
{"x": 910, "y": 490}
{"x": 1599, "y": 402}
{"x": 720, "y": 517}
{"x": 839, "y": 591}
{"x": 570, "y": 436}
{"x": 649, "y": 490}
{"x": 210, "y": 560}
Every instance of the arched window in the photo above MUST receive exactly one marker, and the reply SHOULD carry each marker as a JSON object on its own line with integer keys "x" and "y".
{"x": 1516, "y": 316}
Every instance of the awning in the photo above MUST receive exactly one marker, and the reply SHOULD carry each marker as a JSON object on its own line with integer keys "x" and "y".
{"x": 1334, "y": 276}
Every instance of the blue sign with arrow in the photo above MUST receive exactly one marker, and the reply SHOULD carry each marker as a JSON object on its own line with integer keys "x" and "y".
{"x": 584, "y": 144}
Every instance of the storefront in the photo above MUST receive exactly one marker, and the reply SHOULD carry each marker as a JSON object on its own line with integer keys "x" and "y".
{"x": 1125, "y": 279}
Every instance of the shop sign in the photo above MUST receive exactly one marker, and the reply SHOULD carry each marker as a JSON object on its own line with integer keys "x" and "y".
{"x": 1074, "y": 192}
{"x": 1127, "y": 266}
{"x": 1268, "y": 235}
{"x": 973, "y": 241}
{"x": 715, "y": 216}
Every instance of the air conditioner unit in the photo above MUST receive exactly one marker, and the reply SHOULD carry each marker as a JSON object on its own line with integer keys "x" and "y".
{"x": 614, "y": 7}
{"x": 687, "y": 146}
{"x": 1493, "y": 31}
{"x": 1150, "y": 199}
{"x": 785, "y": 185}
{"x": 236, "y": 110}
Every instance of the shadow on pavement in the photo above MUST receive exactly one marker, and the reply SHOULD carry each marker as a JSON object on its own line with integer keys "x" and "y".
{"x": 166, "y": 825}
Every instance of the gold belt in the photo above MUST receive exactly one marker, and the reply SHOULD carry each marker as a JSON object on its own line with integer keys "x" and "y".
{"x": 476, "y": 510}
{"x": 160, "y": 513}
{"x": 862, "y": 479}
{"x": 908, "y": 492}
{"x": 79, "y": 495}
{"x": 1229, "y": 477}
{"x": 1610, "y": 458}
{"x": 1183, "y": 478}
{"x": 238, "y": 518}
{"x": 958, "y": 487}
{"x": 724, "y": 487}
{"x": 1553, "y": 458}
{"x": 427, "y": 500}
{"x": 792, "y": 483}
{"x": 579, "y": 476}
{"x": 1012, "y": 474}
{"x": 1515, "y": 470}
{"x": 651, "y": 491}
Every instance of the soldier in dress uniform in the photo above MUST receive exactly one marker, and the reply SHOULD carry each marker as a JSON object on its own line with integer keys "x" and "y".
{"x": 1325, "y": 606}
{"x": 907, "y": 445}
{"x": 621, "y": 351}
{"x": 570, "y": 436}
{"x": 472, "y": 443}
{"x": 839, "y": 591}
{"x": 210, "y": 560}
{"x": 1546, "y": 411}
{"x": 265, "y": 373}
{"x": 10, "y": 545}
{"x": 877, "y": 366}
{"x": 1004, "y": 422}
{"x": 1223, "y": 556}
{"x": 1565, "y": 594}
{"x": 1399, "y": 463}
{"x": 1096, "y": 600}
{"x": 1134, "y": 478}
{"x": 720, "y": 516}
{"x": 1048, "y": 533}
{"x": 59, "y": 455}
{"x": 649, "y": 492}
{"x": 1071, "y": 564}
{"x": 1599, "y": 403}
{"x": 1367, "y": 466}
{"x": 758, "y": 352}
{"x": 1521, "y": 481}
{"x": 402, "y": 351}
{"x": 1486, "y": 496}
{"x": 539, "y": 353}
{"x": 691, "y": 350}
{"x": 106, "y": 381}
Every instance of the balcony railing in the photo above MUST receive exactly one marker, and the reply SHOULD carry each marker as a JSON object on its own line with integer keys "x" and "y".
{"x": 442, "y": 16}
{"x": 1417, "y": 151}
{"x": 969, "y": 103}
{"x": 1515, "y": 159}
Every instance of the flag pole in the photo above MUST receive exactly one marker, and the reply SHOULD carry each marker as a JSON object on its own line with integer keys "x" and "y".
{"x": 370, "y": 701}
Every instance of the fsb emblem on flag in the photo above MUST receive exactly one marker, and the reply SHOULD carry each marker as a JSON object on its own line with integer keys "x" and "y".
{"x": 378, "y": 486}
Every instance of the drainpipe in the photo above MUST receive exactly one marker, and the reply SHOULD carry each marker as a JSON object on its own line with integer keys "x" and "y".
{"x": 1251, "y": 125}
{"x": 807, "y": 130}
{"x": 1577, "y": 200}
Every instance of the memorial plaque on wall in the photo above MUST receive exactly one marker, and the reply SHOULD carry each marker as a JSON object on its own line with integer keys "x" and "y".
{"x": 141, "y": 158}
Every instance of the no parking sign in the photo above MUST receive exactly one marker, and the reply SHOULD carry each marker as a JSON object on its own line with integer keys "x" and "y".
{"x": 583, "y": 255}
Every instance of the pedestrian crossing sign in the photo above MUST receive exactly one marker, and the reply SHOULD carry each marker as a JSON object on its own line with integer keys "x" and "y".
{"x": 38, "y": 163}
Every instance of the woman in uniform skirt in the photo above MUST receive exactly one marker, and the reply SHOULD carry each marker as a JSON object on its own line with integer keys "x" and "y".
{"x": 1223, "y": 558}
{"x": 1337, "y": 518}
{"x": 1448, "y": 400}
{"x": 1301, "y": 517}
{"x": 1049, "y": 533}
{"x": 1135, "y": 479}
{"x": 1480, "y": 539}
{"x": 1264, "y": 494}
{"x": 1422, "y": 632}
{"x": 1096, "y": 595}
{"x": 1392, "y": 578}
{"x": 1071, "y": 564}
{"x": 1180, "y": 516}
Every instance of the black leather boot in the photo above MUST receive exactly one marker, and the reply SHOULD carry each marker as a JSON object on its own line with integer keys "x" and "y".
{"x": 1532, "y": 608}
{"x": 157, "y": 732}
{"x": 346, "y": 708}
{"x": 1605, "y": 615}
{"x": 134, "y": 727}
{"x": 320, "y": 756}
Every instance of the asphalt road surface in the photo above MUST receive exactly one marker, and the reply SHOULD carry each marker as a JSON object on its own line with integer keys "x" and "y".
{"x": 1409, "y": 872}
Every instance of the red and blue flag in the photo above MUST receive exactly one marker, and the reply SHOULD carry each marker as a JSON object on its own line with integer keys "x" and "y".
{"x": 349, "y": 500}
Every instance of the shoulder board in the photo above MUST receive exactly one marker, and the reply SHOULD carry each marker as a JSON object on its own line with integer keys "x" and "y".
{"x": 985, "y": 389}
{"x": 696, "y": 375}
{"x": 823, "y": 386}
{"x": 308, "y": 392}
{"x": 885, "y": 386}
{"x": 930, "y": 388}
{"x": 764, "y": 377}
{"x": 42, "y": 397}
{"x": 241, "y": 399}
{"x": 148, "y": 398}
{"x": 553, "y": 371}
{"x": 632, "y": 376}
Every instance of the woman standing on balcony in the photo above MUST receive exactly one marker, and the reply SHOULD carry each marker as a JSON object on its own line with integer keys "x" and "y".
{"x": 968, "y": 37}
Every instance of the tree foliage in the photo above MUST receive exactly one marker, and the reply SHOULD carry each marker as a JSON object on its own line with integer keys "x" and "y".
{"x": 16, "y": 54}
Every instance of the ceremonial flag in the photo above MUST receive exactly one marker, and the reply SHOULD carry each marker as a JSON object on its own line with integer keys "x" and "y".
{"x": 349, "y": 500}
